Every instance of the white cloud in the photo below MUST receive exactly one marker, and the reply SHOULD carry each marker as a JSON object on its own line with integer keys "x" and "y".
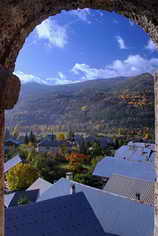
{"x": 59, "y": 80}
{"x": 53, "y": 32}
{"x": 25, "y": 78}
{"x": 121, "y": 42}
{"x": 82, "y": 14}
{"x": 61, "y": 75}
{"x": 151, "y": 46}
{"x": 88, "y": 72}
{"x": 133, "y": 65}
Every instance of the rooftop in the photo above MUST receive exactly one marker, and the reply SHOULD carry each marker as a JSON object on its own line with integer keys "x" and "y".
{"x": 112, "y": 165}
{"x": 11, "y": 163}
{"x": 130, "y": 187}
{"x": 11, "y": 200}
{"x": 40, "y": 184}
{"x": 50, "y": 141}
{"x": 117, "y": 215}
{"x": 68, "y": 215}
{"x": 136, "y": 152}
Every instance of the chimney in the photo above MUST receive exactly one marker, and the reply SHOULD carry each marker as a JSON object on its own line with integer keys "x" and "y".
{"x": 138, "y": 196}
{"x": 69, "y": 175}
{"x": 72, "y": 189}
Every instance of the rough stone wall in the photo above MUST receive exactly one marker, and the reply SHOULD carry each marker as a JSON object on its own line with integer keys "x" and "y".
{"x": 19, "y": 17}
{"x": 156, "y": 159}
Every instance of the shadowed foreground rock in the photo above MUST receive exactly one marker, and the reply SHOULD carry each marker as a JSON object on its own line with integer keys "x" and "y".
{"x": 9, "y": 89}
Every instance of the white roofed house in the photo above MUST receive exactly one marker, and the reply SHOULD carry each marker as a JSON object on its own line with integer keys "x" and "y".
{"x": 116, "y": 214}
{"x": 136, "y": 152}
{"x": 40, "y": 184}
{"x": 132, "y": 188}
{"x": 132, "y": 169}
{"x": 10, "y": 164}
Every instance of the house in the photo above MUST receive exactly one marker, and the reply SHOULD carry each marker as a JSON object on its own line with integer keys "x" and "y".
{"x": 78, "y": 139}
{"x": 13, "y": 199}
{"x": 49, "y": 144}
{"x": 136, "y": 152}
{"x": 69, "y": 215}
{"x": 117, "y": 215}
{"x": 102, "y": 140}
{"x": 11, "y": 163}
{"x": 132, "y": 169}
{"x": 11, "y": 144}
{"x": 40, "y": 184}
{"x": 132, "y": 188}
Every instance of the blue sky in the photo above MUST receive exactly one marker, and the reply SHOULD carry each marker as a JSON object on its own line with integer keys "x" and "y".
{"x": 83, "y": 45}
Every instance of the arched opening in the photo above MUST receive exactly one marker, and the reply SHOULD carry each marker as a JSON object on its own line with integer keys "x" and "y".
{"x": 78, "y": 68}
{"x": 18, "y": 29}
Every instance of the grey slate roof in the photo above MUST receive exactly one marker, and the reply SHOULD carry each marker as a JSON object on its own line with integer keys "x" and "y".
{"x": 117, "y": 215}
{"x": 68, "y": 215}
{"x": 50, "y": 141}
{"x": 11, "y": 163}
{"x": 40, "y": 184}
{"x": 11, "y": 200}
{"x": 12, "y": 141}
{"x": 129, "y": 187}
{"x": 111, "y": 165}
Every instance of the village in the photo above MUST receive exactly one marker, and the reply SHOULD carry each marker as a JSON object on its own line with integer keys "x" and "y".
{"x": 102, "y": 180}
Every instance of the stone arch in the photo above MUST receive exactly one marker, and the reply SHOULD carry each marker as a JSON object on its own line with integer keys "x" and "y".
{"x": 19, "y": 17}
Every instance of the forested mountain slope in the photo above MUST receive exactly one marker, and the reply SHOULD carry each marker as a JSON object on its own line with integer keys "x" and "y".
{"x": 101, "y": 105}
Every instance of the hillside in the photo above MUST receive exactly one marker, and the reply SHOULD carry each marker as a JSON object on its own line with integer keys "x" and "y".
{"x": 101, "y": 105}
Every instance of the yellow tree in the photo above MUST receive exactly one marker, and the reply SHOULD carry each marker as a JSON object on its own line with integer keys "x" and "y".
{"x": 61, "y": 137}
{"x": 21, "y": 176}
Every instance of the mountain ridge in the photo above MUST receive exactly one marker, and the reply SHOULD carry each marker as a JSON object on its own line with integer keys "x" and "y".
{"x": 104, "y": 103}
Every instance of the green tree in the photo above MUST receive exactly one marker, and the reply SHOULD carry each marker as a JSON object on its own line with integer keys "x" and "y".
{"x": 24, "y": 151}
{"x": 23, "y": 200}
{"x": 32, "y": 137}
{"x": 21, "y": 176}
{"x": 96, "y": 150}
{"x": 47, "y": 167}
{"x": 89, "y": 179}
{"x": 15, "y": 131}
{"x": 26, "y": 139}
{"x": 7, "y": 133}
{"x": 71, "y": 135}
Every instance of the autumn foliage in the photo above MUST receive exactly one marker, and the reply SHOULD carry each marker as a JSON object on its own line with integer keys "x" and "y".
{"x": 76, "y": 160}
{"x": 21, "y": 176}
{"x": 77, "y": 157}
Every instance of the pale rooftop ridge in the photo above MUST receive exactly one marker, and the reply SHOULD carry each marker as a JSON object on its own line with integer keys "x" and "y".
{"x": 11, "y": 163}
{"x": 41, "y": 184}
{"x": 112, "y": 165}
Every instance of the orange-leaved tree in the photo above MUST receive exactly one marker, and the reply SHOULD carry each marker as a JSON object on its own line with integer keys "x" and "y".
{"x": 76, "y": 160}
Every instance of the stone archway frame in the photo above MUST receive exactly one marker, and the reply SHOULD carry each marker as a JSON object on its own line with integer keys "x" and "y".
{"x": 19, "y": 17}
